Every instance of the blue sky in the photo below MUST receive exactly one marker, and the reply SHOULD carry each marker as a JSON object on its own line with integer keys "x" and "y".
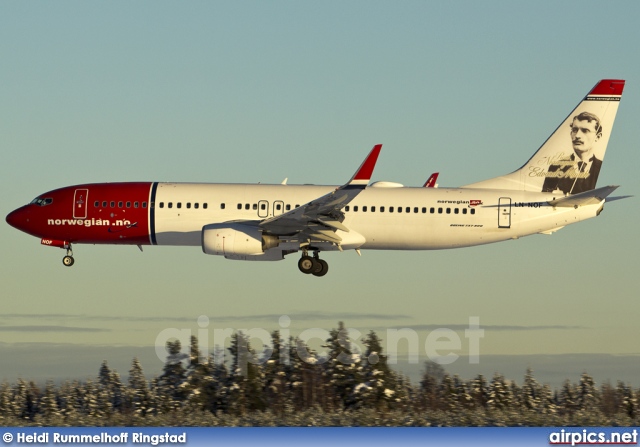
{"x": 259, "y": 91}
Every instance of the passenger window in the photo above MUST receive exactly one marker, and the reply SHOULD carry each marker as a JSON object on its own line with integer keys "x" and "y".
{"x": 473, "y": 211}
{"x": 278, "y": 207}
{"x": 288, "y": 207}
{"x": 128, "y": 204}
{"x": 346, "y": 208}
{"x": 297, "y": 205}
{"x": 455, "y": 211}
{"x": 432, "y": 210}
{"x": 415, "y": 210}
{"x": 113, "y": 204}
{"x": 355, "y": 208}
{"x": 255, "y": 207}
{"x": 239, "y": 206}
{"x": 448, "y": 210}
{"x": 247, "y": 206}
{"x": 96, "y": 204}
{"x": 399, "y": 209}
{"x": 136, "y": 204}
{"x": 104, "y": 204}
{"x": 222, "y": 206}
{"x": 382, "y": 209}
{"x": 439, "y": 210}
{"x": 119, "y": 204}
{"x": 373, "y": 209}
{"x": 391, "y": 209}
{"x": 464, "y": 211}
{"x": 364, "y": 209}
{"x": 170, "y": 205}
{"x": 144, "y": 204}
{"x": 263, "y": 206}
{"x": 424, "y": 210}
{"x": 188, "y": 205}
{"x": 196, "y": 205}
{"x": 204, "y": 206}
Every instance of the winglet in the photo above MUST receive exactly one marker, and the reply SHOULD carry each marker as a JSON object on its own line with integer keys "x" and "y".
{"x": 363, "y": 174}
{"x": 431, "y": 183}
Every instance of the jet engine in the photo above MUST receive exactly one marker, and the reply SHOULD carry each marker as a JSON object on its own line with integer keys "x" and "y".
{"x": 240, "y": 242}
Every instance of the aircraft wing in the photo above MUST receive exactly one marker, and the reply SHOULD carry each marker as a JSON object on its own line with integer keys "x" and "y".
{"x": 584, "y": 198}
{"x": 320, "y": 218}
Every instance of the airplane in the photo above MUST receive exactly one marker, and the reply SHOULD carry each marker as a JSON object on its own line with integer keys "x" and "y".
{"x": 261, "y": 222}
{"x": 431, "y": 181}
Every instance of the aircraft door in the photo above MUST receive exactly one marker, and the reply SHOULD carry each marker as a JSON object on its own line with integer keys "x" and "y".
{"x": 504, "y": 212}
{"x": 80, "y": 203}
{"x": 278, "y": 207}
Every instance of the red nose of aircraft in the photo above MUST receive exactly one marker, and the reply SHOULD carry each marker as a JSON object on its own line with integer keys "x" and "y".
{"x": 18, "y": 218}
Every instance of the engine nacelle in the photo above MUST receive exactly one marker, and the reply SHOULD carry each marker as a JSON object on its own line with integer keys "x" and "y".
{"x": 240, "y": 242}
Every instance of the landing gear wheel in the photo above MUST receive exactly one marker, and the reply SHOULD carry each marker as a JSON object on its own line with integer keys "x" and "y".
{"x": 68, "y": 261}
{"x": 307, "y": 264}
{"x": 322, "y": 268}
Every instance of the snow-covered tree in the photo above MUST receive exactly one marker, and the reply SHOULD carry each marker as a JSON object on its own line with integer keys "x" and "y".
{"x": 385, "y": 390}
{"x": 430, "y": 384}
{"x": 247, "y": 378}
{"x": 568, "y": 398}
{"x": 275, "y": 373}
{"x": 547, "y": 400}
{"x": 587, "y": 393}
{"x": 49, "y": 404}
{"x": 530, "y": 391}
{"x": 628, "y": 400}
{"x": 500, "y": 394}
{"x": 343, "y": 370}
{"x": 170, "y": 383}
{"x": 138, "y": 391}
{"x": 479, "y": 391}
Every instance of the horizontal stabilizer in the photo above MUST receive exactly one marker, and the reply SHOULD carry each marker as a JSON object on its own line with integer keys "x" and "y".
{"x": 613, "y": 199}
{"x": 592, "y": 197}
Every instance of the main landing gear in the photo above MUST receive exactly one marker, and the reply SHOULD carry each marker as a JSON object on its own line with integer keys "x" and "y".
{"x": 68, "y": 260}
{"x": 313, "y": 264}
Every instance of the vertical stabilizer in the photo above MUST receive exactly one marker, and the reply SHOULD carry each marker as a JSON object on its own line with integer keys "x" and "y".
{"x": 570, "y": 160}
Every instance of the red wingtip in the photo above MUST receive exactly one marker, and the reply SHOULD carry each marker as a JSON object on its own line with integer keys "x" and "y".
{"x": 432, "y": 180}
{"x": 366, "y": 169}
{"x": 612, "y": 87}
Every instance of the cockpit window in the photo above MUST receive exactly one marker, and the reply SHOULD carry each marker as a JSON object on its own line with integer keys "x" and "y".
{"x": 42, "y": 201}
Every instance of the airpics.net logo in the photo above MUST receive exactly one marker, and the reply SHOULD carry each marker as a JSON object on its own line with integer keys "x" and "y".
{"x": 592, "y": 437}
{"x": 442, "y": 345}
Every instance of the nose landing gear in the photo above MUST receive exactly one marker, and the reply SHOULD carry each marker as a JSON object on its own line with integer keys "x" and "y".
{"x": 68, "y": 259}
{"x": 313, "y": 265}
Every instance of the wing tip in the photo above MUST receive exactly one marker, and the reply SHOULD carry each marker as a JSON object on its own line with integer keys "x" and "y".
{"x": 366, "y": 168}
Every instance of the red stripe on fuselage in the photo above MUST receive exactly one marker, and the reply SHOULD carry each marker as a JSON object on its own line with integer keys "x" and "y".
{"x": 116, "y": 213}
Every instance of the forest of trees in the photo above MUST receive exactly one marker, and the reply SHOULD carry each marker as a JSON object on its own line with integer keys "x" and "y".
{"x": 292, "y": 386}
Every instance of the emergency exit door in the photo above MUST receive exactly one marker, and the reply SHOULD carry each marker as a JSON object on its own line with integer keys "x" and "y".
{"x": 504, "y": 212}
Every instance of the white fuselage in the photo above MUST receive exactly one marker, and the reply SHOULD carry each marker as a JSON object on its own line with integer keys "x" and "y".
{"x": 382, "y": 218}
